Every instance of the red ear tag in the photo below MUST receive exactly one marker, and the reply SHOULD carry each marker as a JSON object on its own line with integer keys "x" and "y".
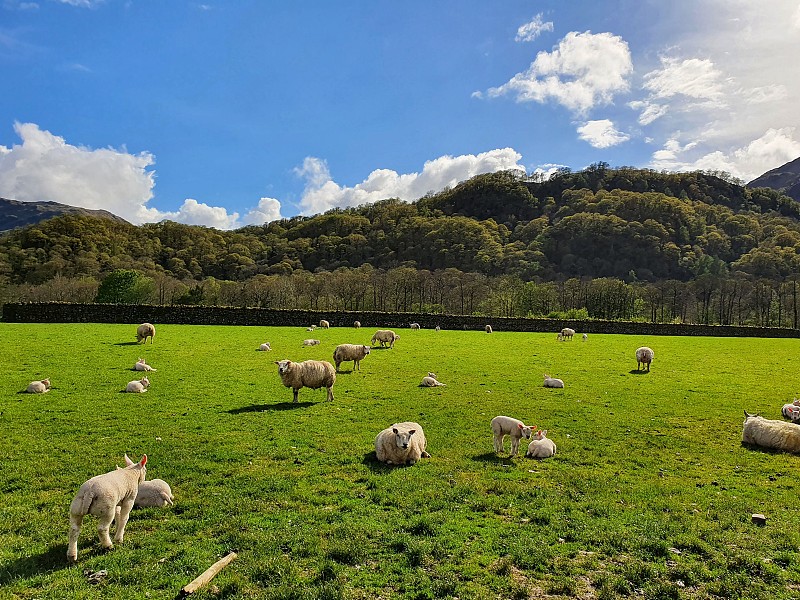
{"x": 143, "y": 462}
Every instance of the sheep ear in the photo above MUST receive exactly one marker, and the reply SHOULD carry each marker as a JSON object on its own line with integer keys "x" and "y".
{"x": 143, "y": 462}
{"x": 520, "y": 425}
{"x": 412, "y": 432}
{"x": 128, "y": 461}
{"x": 394, "y": 430}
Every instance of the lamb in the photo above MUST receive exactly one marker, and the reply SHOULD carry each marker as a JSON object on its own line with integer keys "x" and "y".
{"x": 792, "y": 411}
{"x": 385, "y": 336}
{"x": 138, "y": 387}
{"x": 430, "y": 381}
{"x": 38, "y": 387}
{"x": 141, "y": 365}
{"x": 644, "y": 356}
{"x": 400, "y": 444}
{"x": 144, "y": 331}
{"x": 541, "y": 446}
{"x": 312, "y": 374}
{"x": 100, "y": 496}
{"x": 357, "y": 324}
{"x": 503, "y": 426}
{"x": 347, "y": 352}
{"x": 488, "y": 329}
{"x": 552, "y": 382}
{"x": 311, "y": 328}
{"x": 565, "y": 334}
{"x": 310, "y": 342}
{"x": 152, "y": 493}
{"x": 265, "y": 347}
{"x": 438, "y": 329}
{"x": 585, "y": 337}
{"x": 324, "y": 324}
{"x": 766, "y": 433}
{"x": 415, "y": 326}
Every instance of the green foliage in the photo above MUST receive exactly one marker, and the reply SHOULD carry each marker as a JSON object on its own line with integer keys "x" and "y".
{"x": 124, "y": 286}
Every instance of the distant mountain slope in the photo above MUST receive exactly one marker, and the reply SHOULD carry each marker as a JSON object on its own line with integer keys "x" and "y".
{"x": 785, "y": 178}
{"x": 14, "y": 213}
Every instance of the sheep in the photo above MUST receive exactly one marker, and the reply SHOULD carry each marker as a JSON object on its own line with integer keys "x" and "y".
{"x": 415, "y": 326}
{"x": 144, "y": 331}
{"x": 430, "y": 381}
{"x": 310, "y": 342}
{"x": 791, "y": 411}
{"x": 552, "y": 382}
{"x": 311, "y": 328}
{"x": 400, "y": 444}
{"x": 324, "y": 324}
{"x": 541, "y": 446}
{"x": 312, "y": 374}
{"x": 644, "y": 356}
{"x": 357, "y": 324}
{"x": 766, "y": 433}
{"x": 488, "y": 329}
{"x": 100, "y": 496}
{"x": 565, "y": 334}
{"x": 152, "y": 493}
{"x": 347, "y": 352}
{"x": 265, "y": 347}
{"x": 138, "y": 387}
{"x": 385, "y": 336}
{"x": 141, "y": 365}
{"x": 503, "y": 426}
{"x": 438, "y": 329}
{"x": 585, "y": 337}
{"x": 38, "y": 387}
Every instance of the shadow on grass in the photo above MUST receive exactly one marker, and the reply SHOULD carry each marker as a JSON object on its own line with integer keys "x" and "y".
{"x": 268, "y": 407}
{"x": 371, "y": 461}
{"x": 493, "y": 457}
{"x": 380, "y": 348}
{"x": 638, "y": 372}
{"x": 762, "y": 449}
{"x": 54, "y": 559}
{"x": 128, "y": 344}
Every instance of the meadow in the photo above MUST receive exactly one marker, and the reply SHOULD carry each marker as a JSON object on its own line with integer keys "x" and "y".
{"x": 649, "y": 496}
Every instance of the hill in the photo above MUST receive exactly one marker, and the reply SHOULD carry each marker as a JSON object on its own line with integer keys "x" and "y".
{"x": 785, "y": 179}
{"x": 14, "y": 213}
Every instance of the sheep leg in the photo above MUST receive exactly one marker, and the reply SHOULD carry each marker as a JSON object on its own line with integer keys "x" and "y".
{"x": 75, "y": 522}
{"x": 330, "y": 394}
{"x": 498, "y": 443}
{"x": 122, "y": 519}
{"x": 295, "y": 395}
{"x": 514, "y": 445}
{"x": 104, "y": 521}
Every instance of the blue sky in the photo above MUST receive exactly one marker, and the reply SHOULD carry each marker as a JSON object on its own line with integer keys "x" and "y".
{"x": 238, "y": 112}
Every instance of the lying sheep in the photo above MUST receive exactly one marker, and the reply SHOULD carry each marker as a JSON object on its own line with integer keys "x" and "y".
{"x": 552, "y": 382}
{"x": 644, "y": 356}
{"x": 766, "y": 433}
{"x": 38, "y": 387}
{"x": 310, "y": 342}
{"x": 312, "y": 374}
{"x": 144, "y": 331}
{"x": 791, "y": 411}
{"x": 347, "y": 352}
{"x": 503, "y": 426}
{"x": 400, "y": 444}
{"x": 385, "y": 336}
{"x": 357, "y": 324}
{"x": 265, "y": 347}
{"x": 565, "y": 334}
{"x": 415, "y": 326}
{"x": 324, "y": 324}
{"x": 141, "y": 365}
{"x": 488, "y": 329}
{"x": 138, "y": 386}
{"x": 541, "y": 446}
{"x": 430, "y": 381}
{"x": 154, "y": 493}
{"x": 100, "y": 496}
{"x": 311, "y": 328}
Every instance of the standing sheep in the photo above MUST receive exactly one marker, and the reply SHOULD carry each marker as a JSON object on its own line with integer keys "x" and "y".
{"x": 438, "y": 329}
{"x": 400, "y": 444}
{"x": 541, "y": 446}
{"x": 766, "y": 433}
{"x": 144, "y": 331}
{"x": 312, "y": 374}
{"x": 141, "y": 365}
{"x": 385, "y": 336}
{"x": 100, "y": 496}
{"x": 357, "y": 324}
{"x": 552, "y": 382}
{"x": 138, "y": 387}
{"x": 38, "y": 387}
{"x": 347, "y": 352}
{"x": 566, "y": 334}
{"x": 503, "y": 426}
{"x": 324, "y": 324}
{"x": 415, "y": 326}
{"x": 585, "y": 337}
{"x": 644, "y": 356}
{"x": 488, "y": 329}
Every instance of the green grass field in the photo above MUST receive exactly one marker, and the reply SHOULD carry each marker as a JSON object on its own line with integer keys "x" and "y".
{"x": 649, "y": 496}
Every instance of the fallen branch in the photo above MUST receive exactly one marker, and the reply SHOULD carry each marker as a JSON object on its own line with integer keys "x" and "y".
{"x": 208, "y": 574}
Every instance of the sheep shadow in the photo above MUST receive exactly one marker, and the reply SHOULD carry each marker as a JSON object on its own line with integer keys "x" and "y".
{"x": 761, "y": 449}
{"x": 493, "y": 457}
{"x": 52, "y": 560}
{"x": 269, "y": 407}
{"x": 128, "y": 344}
{"x": 380, "y": 348}
{"x": 639, "y": 372}
{"x": 373, "y": 464}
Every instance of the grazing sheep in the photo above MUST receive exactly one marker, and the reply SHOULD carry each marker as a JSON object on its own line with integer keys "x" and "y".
{"x": 430, "y": 381}
{"x": 141, "y": 365}
{"x": 310, "y": 342}
{"x": 38, "y": 387}
{"x": 565, "y": 334}
{"x": 415, "y": 326}
{"x": 385, "y": 336}
{"x": 138, "y": 386}
{"x": 541, "y": 446}
{"x": 400, "y": 444}
{"x": 488, "y": 329}
{"x": 265, "y": 347}
{"x": 503, "y": 426}
{"x": 585, "y": 337}
{"x": 644, "y": 356}
{"x": 312, "y": 374}
{"x": 552, "y": 382}
{"x": 766, "y": 433}
{"x": 347, "y": 352}
{"x": 100, "y": 496}
{"x": 357, "y": 324}
{"x": 144, "y": 331}
{"x": 324, "y": 324}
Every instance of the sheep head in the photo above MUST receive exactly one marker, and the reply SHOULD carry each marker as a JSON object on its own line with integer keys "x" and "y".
{"x": 403, "y": 438}
{"x": 283, "y": 366}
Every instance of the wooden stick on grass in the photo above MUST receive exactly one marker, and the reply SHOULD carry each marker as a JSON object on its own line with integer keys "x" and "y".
{"x": 208, "y": 574}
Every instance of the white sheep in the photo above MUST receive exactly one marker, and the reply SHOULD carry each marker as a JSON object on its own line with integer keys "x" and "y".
{"x": 585, "y": 337}
{"x": 347, "y": 352}
{"x": 311, "y": 328}
{"x": 141, "y": 365}
{"x": 791, "y": 411}
{"x": 385, "y": 336}
{"x": 767, "y": 433}
{"x": 38, "y": 387}
{"x": 565, "y": 334}
{"x": 100, "y": 496}
{"x": 541, "y": 446}
{"x": 402, "y": 443}
{"x": 503, "y": 426}
{"x": 644, "y": 356}
{"x": 488, "y": 329}
{"x": 324, "y": 324}
{"x": 552, "y": 382}
{"x": 357, "y": 324}
{"x": 438, "y": 329}
{"x": 138, "y": 387}
{"x": 430, "y": 381}
{"x": 415, "y": 326}
{"x": 144, "y": 331}
{"x": 310, "y": 342}
{"x": 312, "y": 374}
{"x": 265, "y": 347}
{"x": 152, "y": 493}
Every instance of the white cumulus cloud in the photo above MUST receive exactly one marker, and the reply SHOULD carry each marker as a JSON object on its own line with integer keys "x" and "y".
{"x": 692, "y": 78}
{"x": 601, "y": 134}
{"x": 530, "y": 31}
{"x": 268, "y": 210}
{"x": 322, "y": 193}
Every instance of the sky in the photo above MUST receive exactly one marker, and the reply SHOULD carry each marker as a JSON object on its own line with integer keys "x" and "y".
{"x": 239, "y": 112}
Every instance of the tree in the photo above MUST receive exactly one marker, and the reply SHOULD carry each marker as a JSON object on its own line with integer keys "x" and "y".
{"x": 125, "y": 286}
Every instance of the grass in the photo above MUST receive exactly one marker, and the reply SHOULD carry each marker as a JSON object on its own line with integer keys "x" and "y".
{"x": 649, "y": 496}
